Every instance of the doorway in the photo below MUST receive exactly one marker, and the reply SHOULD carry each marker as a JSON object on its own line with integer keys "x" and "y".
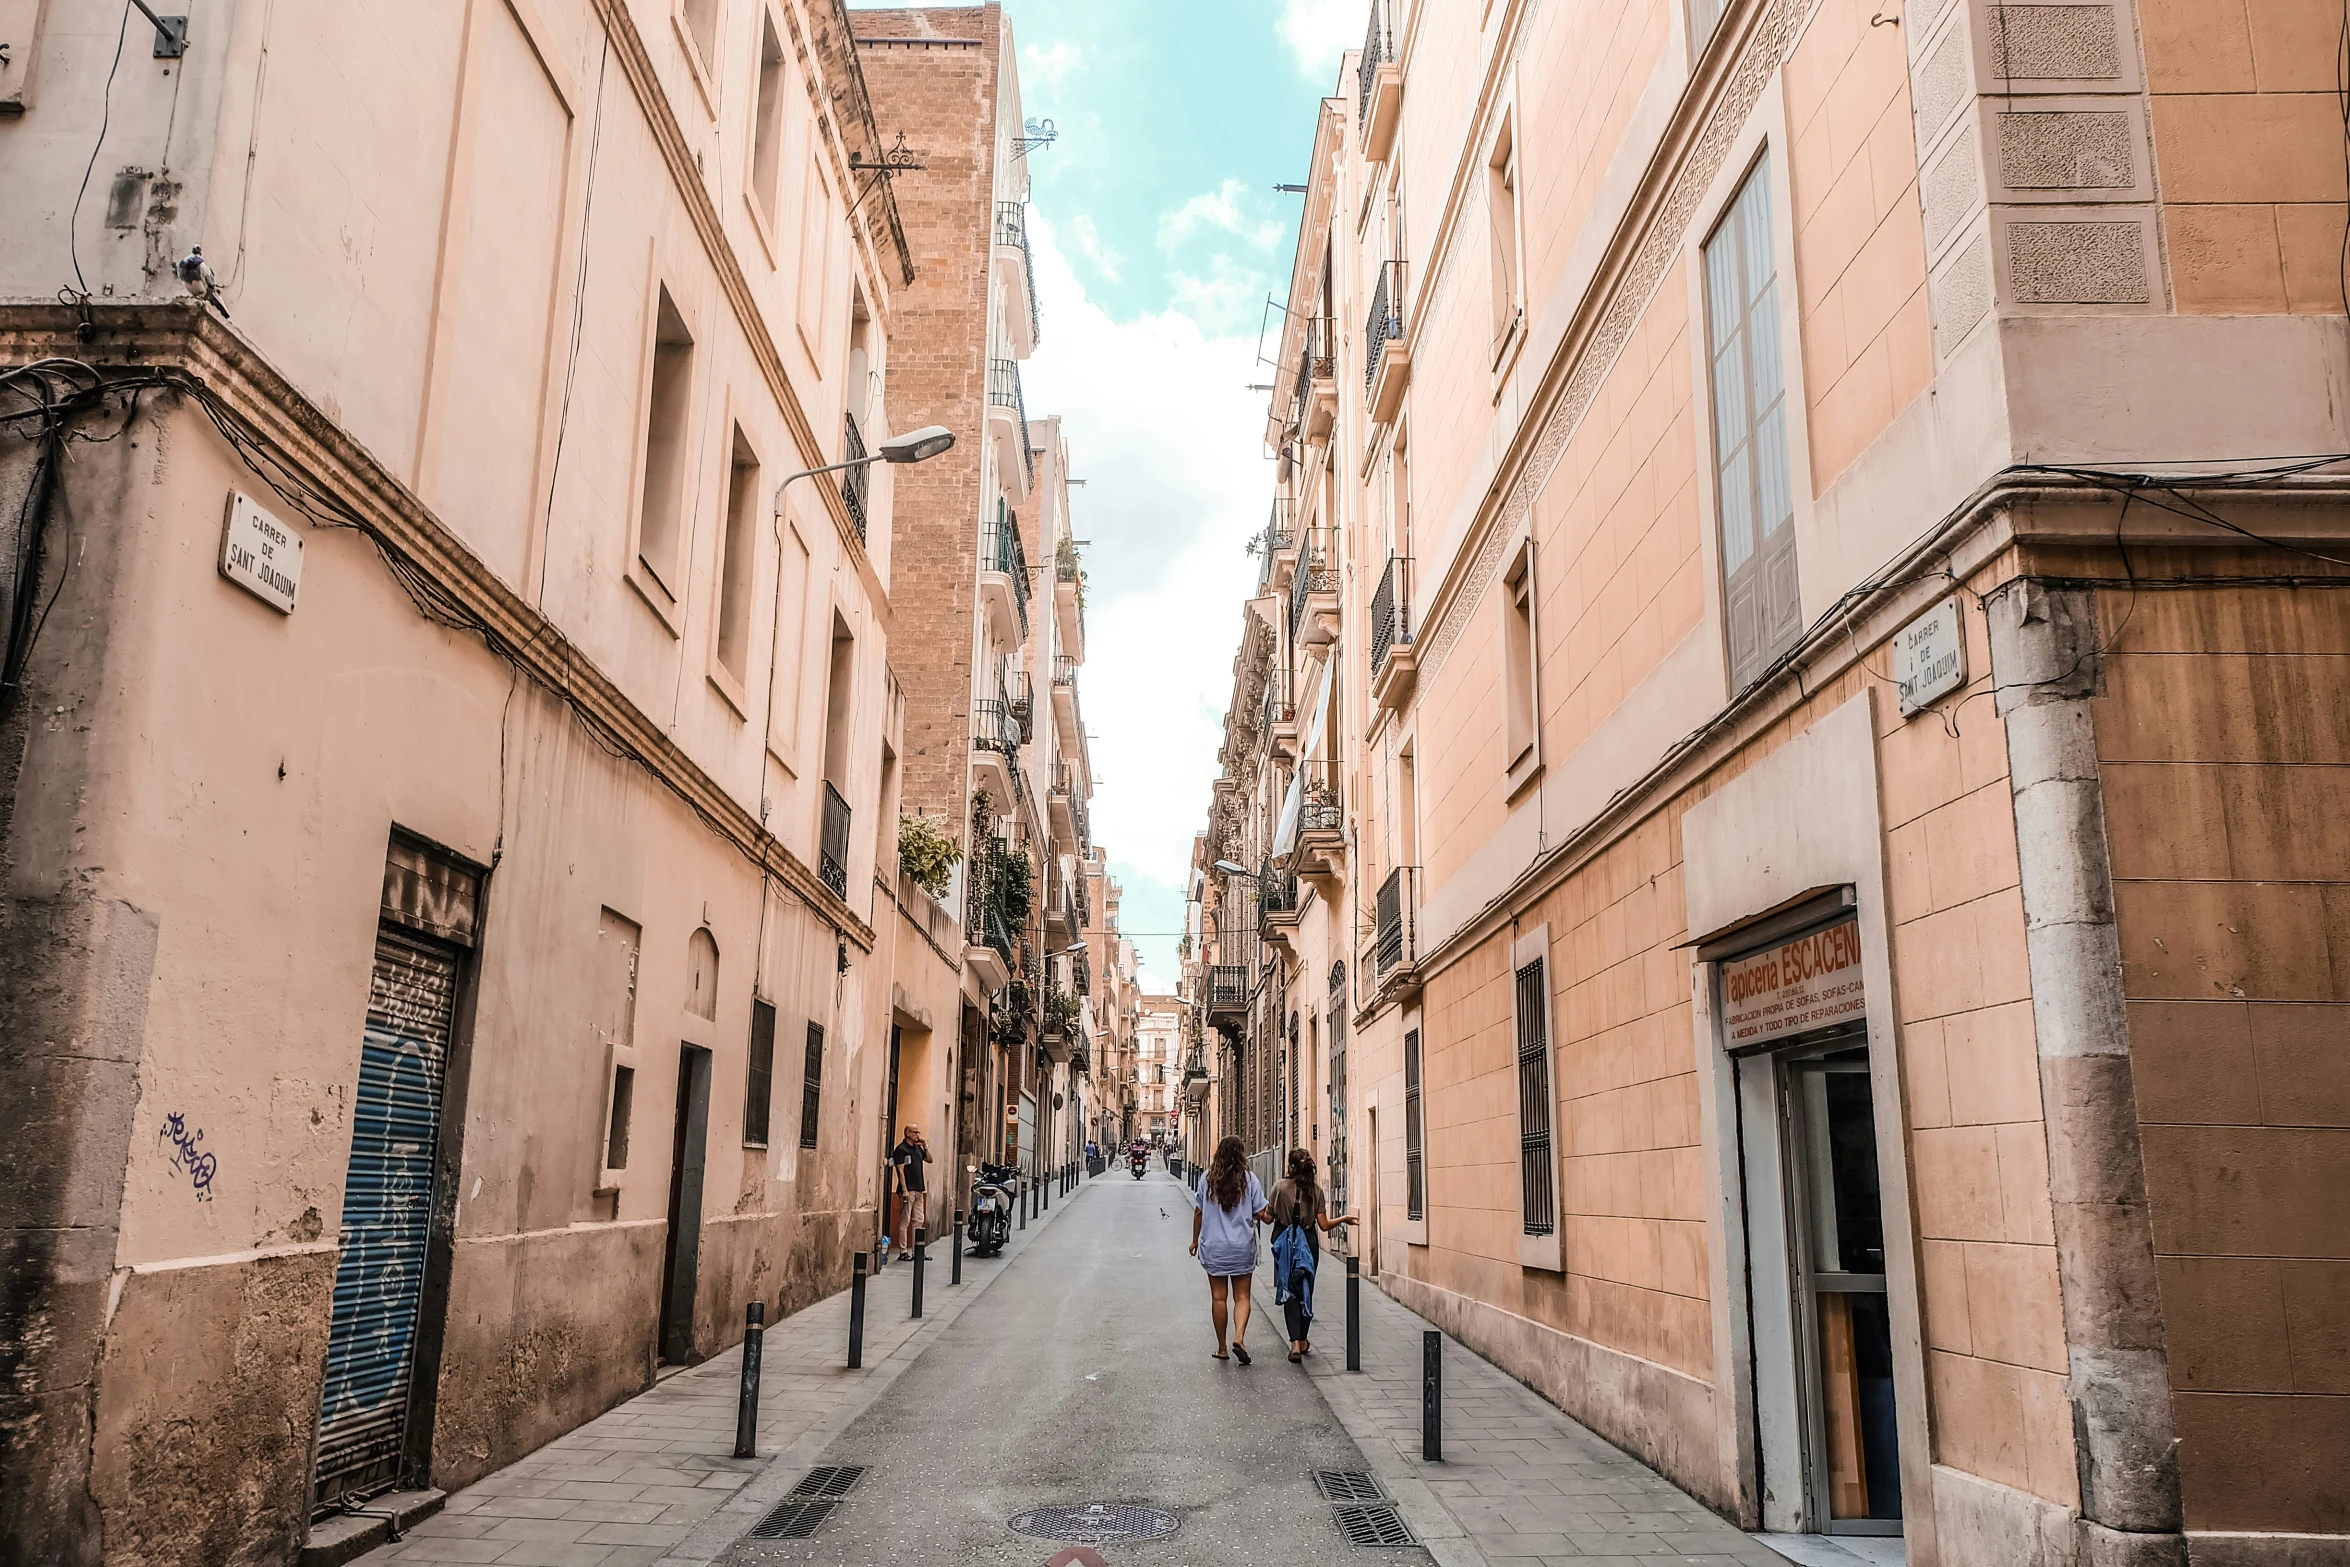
{"x": 1823, "y": 1337}
{"x": 681, "y": 1256}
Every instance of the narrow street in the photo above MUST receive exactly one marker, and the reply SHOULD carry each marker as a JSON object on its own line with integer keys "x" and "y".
{"x": 1085, "y": 1377}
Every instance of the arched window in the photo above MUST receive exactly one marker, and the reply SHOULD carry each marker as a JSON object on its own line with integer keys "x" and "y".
{"x": 701, "y": 975}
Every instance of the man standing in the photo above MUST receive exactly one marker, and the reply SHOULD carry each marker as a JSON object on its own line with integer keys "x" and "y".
{"x": 906, "y": 1161}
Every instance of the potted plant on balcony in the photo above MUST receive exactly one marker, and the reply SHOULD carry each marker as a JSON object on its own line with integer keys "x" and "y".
{"x": 928, "y": 854}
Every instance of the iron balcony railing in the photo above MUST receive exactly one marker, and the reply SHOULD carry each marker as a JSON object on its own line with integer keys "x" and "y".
{"x": 1276, "y": 890}
{"x": 1227, "y": 987}
{"x": 1011, "y": 228}
{"x": 832, "y": 852}
{"x": 1378, "y": 49}
{"x": 1321, "y": 807}
{"x": 1020, "y": 702}
{"x": 1081, "y": 900}
{"x": 1065, "y": 784}
{"x": 1000, "y": 549}
{"x": 1003, "y": 390}
{"x": 1313, "y": 576}
{"x": 1385, "y": 322}
{"x": 1314, "y": 363}
{"x": 854, "y": 482}
{"x": 1081, "y": 971}
{"x": 1391, "y": 611}
{"x": 1065, "y": 670}
{"x": 1279, "y": 535}
{"x": 993, "y": 728}
{"x": 1396, "y": 938}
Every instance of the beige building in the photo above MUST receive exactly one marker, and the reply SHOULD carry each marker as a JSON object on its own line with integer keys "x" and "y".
{"x": 461, "y": 950}
{"x": 1774, "y": 817}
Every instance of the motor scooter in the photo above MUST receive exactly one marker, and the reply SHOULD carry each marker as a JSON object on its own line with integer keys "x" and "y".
{"x": 1138, "y": 1162}
{"x": 990, "y": 1224}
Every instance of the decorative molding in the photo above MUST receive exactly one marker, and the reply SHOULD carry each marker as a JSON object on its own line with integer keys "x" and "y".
{"x": 1653, "y": 235}
{"x": 182, "y": 339}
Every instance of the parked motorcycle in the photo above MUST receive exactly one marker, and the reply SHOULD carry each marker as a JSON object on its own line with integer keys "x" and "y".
{"x": 992, "y": 1196}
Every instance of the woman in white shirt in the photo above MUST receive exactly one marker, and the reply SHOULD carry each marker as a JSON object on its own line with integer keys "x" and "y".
{"x": 1224, "y": 1217}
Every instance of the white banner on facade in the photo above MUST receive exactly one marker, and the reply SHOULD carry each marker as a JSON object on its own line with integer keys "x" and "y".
{"x": 1809, "y": 983}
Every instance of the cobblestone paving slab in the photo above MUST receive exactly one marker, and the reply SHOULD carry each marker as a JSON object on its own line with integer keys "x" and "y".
{"x": 1520, "y": 1482}
{"x": 654, "y": 1480}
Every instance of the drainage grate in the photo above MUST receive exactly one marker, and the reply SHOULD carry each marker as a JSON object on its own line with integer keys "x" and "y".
{"x": 816, "y": 1498}
{"x": 1096, "y": 1523}
{"x": 1347, "y": 1485}
{"x": 794, "y": 1518}
{"x": 832, "y": 1480}
{"x": 1376, "y": 1524}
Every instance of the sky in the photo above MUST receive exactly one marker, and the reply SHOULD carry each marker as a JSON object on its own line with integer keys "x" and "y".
{"x": 1158, "y": 239}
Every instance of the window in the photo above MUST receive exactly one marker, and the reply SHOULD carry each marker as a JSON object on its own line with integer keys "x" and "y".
{"x": 759, "y": 1084}
{"x": 701, "y": 25}
{"x": 668, "y": 411}
{"x": 623, "y": 1105}
{"x": 839, "y": 705}
{"x": 812, "y": 1086}
{"x": 1704, "y": 17}
{"x": 1521, "y": 735}
{"x": 701, "y": 974}
{"x": 1415, "y": 1185}
{"x": 1761, "y": 602}
{"x": 1501, "y": 202}
{"x": 815, "y": 260}
{"x": 738, "y": 559}
{"x": 787, "y": 663}
{"x": 1534, "y": 1144}
{"x": 767, "y": 122}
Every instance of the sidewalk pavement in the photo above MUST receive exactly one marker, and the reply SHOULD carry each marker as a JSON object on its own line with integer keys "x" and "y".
{"x": 1520, "y": 1481}
{"x": 653, "y": 1483}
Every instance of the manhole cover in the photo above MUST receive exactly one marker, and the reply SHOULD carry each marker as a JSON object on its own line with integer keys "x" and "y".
{"x": 1096, "y": 1523}
{"x": 1347, "y": 1485}
{"x": 1378, "y": 1524}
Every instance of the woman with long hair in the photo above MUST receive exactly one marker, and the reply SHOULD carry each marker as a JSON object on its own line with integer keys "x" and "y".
{"x": 1300, "y": 1214}
{"x": 1224, "y": 1219}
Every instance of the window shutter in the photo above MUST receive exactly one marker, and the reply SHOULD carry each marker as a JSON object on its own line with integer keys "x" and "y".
{"x": 1761, "y": 591}
{"x": 1414, "y": 1179}
{"x": 812, "y": 1086}
{"x": 1534, "y": 1102}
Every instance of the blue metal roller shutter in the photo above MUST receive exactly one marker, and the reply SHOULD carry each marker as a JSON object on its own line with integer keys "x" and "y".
{"x": 387, "y": 1216}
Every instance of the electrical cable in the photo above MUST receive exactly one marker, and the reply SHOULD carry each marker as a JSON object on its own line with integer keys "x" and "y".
{"x": 73, "y": 224}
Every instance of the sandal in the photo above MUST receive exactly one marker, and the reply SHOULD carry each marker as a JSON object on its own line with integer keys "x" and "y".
{"x": 1295, "y": 1357}
{"x": 1240, "y": 1351}
{"x": 1219, "y": 1355}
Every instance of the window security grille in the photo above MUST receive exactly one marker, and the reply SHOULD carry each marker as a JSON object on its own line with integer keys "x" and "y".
{"x": 1414, "y": 1180}
{"x": 1534, "y": 1144}
{"x": 759, "y": 1090}
{"x": 812, "y": 1086}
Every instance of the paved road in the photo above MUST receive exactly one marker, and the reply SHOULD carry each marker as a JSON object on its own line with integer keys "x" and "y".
{"x": 1083, "y": 1375}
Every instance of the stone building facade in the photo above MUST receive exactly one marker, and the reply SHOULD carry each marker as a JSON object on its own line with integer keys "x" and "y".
{"x": 1786, "y": 674}
{"x": 458, "y": 943}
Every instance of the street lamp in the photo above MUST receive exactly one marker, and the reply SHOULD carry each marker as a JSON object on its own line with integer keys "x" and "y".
{"x": 1230, "y": 869}
{"x": 913, "y": 446}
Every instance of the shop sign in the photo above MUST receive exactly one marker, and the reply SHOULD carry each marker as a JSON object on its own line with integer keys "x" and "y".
{"x": 1810, "y": 983}
{"x": 1929, "y": 657}
{"x": 261, "y": 554}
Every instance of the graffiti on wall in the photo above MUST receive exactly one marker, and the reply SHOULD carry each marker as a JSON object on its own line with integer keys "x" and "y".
{"x": 187, "y": 1156}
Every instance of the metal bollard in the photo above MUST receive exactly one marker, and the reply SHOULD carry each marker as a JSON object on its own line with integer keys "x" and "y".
{"x": 1024, "y": 1205}
{"x": 921, "y": 1248}
{"x": 1432, "y": 1396}
{"x": 1354, "y": 1314}
{"x": 857, "y": 1312}
{"x": 955, "y": 1273}
{"x": 746, "y": 1412}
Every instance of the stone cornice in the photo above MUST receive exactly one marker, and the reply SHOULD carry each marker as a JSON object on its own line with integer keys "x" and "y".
{"x": 193, "y": 348}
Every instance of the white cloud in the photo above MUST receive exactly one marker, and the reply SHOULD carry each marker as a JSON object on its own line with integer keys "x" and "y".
{"x": 1319, "y": 31}
{"x": 1047, "y": 64}
{"x": 1170, "y": 443}
{"x": 1220, "y": 208}
{"x": 1230, "y": 299}
{"x": 1108, "y": 260}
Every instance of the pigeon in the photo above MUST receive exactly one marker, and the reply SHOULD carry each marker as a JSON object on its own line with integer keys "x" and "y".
{"x": 196, "y": 276}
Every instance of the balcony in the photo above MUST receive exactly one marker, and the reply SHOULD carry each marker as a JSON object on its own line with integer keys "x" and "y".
{"x": 1011, "y": 235}
{"x": 1390, "y": 969}
{"x": 1080, "y": 967}
{"x": 1003, "y": 577}
{"x": 1319, "y": 857}
{"x": 1066, "y": 713}
{"x": 1314, "y": 384}
{"x": 1083, "y": 899}
{"x": 1387, "y": 363}
{"x": 1069, "y": 598}
{"x": 1060, "y": 908}
{"x": 1313, "y": 592}
{"x": 855, "y": 483}
{"x": 1020, "y": 702}
{"x": 1007, "y": 426}
{"x": 1227, "y": 994}
{"x": 989, "y": 929}
{"x": 1395, "y": 660}
{"x": 1379, "y": 92}
{"x": 1277, "y": 907}
{"x": 832, "y": 846}
{"x": 1069, "y": 810}
{"x": 995, "y": 753}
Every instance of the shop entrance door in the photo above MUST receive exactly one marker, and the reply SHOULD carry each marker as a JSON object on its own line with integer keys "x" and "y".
{"x": 1843, "y": 1335}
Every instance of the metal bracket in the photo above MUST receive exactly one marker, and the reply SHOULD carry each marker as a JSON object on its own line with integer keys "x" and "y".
{"x": 171, "y": 32}
{"x": 1040, "y": 134}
